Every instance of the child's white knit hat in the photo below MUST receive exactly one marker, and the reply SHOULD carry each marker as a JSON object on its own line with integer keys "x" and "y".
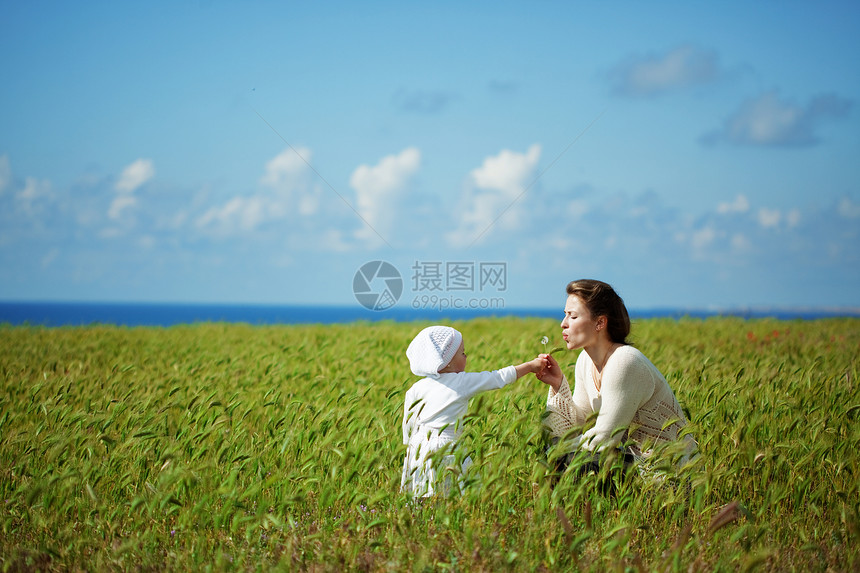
{"x": 433, "y": 349}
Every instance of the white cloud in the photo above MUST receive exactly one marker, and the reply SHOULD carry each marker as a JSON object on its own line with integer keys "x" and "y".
{"x": 135, "y": 175}
{"x": 848, "y": 208}
{"x": 287, "y": 175}
{"x": 508, "y": 171}
{"x": 284, "y": 168}
{"x": 287, "y": 193}
{"x": 5, "y": 173}
{"x": 130, "y": 180}
{"x": 495, "y": 188}
{"x": 765, "y": 120}
{"x": 740, "y": 242}
{"x": 769, "y": 218}
{"x": 34, "y": 189}
{"x": 682, "y": 67}
{"x": 577, "y": 208}
{"x": 703, "y": 237}
{"x": 119, "y": 204}
{"x": 377, "y": 189}
{"x": 239, "y": 214}
{"x": 389, "y": 175}
{"x": 616, "y": 237}
{"x": 740, "y": 205}
{"x": 770, "y": 120}
{"x": 333, "y": 240}
{"x": 32, "y": 198}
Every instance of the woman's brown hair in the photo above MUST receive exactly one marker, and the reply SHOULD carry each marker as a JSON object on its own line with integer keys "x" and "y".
{"x": 601, "y": 300}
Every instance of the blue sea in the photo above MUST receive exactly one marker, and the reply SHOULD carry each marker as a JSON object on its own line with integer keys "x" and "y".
{"x": 53, "y": 314}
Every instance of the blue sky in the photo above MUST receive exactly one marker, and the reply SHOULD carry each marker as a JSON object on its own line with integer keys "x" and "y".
{"x": 693, "y": 155}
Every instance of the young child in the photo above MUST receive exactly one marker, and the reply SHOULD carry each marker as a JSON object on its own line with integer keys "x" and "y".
{"x": 435, "y": 406}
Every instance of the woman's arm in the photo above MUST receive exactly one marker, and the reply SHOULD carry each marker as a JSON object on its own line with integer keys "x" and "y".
{"x": 625, "y": 387}
{"x": 551, "y": 373}
{"x": 565, "y": 410}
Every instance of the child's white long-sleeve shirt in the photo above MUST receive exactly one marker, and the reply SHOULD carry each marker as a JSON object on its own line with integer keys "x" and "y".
{"x": 433, "y": 410}
{"x": 441, "y": 402}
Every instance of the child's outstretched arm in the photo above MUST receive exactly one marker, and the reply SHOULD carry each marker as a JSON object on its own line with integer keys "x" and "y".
{"x": 533, "y": 366}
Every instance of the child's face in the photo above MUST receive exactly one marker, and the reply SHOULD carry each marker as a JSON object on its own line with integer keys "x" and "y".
{"x": 458, "y": 363}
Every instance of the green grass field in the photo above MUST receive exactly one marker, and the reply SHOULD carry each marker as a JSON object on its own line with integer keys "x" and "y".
{"x": 233, "y": 447}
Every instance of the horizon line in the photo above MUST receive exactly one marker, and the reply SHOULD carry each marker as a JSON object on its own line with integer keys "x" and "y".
{"x": 704, "y": 308}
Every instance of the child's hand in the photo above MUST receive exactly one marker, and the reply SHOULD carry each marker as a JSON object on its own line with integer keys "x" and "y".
{"x": 539, "y": 364}
{"x": 534, "y": 366}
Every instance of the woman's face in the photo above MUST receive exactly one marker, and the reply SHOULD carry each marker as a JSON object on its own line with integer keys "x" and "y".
{"x": 458, "y": 363}
{"x": 578, "y": 328}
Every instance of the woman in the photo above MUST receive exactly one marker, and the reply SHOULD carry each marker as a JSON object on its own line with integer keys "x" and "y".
{"x": 635, "y": 406}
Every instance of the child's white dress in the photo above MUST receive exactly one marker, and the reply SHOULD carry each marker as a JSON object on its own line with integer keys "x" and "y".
{"x": 432, "y": 418}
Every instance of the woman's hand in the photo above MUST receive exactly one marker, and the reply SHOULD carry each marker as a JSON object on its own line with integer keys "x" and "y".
{"x": 551, "y": 374}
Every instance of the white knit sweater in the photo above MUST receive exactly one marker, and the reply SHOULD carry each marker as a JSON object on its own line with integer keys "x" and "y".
{"x": 634, "y": 397}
